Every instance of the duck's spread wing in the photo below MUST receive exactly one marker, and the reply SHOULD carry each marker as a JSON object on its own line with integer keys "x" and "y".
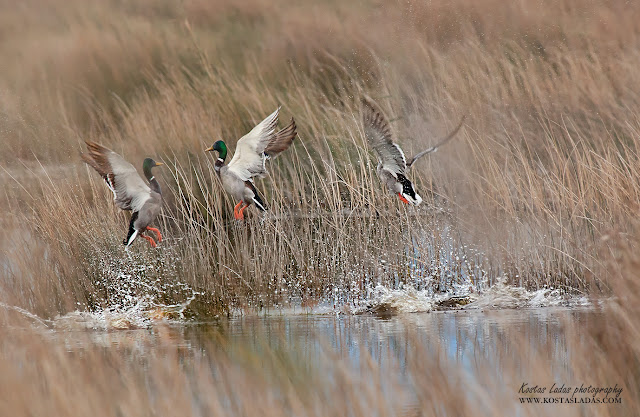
{"x": 248, "y": 160}
{"x": 378, "y": 134}
{"x": 437, "y": 145}
{"x": 282, "y": 140}
{"x": 130, "y": 192}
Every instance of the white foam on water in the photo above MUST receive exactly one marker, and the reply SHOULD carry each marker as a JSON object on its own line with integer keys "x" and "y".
{"x": 35, "y": 320}
{"x": 144, "y": 313}
{"x": 499, "y": 296}
{"x": 107, "y": 319}
{"x": 405, "y": 300}
{"x": 503, "y": 295}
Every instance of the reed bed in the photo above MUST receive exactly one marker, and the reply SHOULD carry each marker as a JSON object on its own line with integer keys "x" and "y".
{"x": 546, "y": 165}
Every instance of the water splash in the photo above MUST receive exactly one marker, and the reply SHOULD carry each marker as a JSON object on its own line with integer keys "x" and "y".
{"x": 27, "y": 314}
{"x": 503, "y": 295}
{"x": 134, "y": 289}
{"x": 387, "y": 301}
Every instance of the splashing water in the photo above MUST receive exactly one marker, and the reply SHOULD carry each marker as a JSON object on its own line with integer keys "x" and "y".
{"x": 134, "y": 288}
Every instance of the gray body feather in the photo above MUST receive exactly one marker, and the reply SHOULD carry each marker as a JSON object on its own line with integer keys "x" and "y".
{"x": 234, "y": 185}
{"x": 388, "y": 179}
{"x": 148, "y": 213}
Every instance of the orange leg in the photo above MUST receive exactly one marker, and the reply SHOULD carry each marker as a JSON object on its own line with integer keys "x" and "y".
{"x": 151, "y": 241}
{"x": 157, "y": 232}
{"x": 404, "y": 200}
{"x": 235, "y": 211}
{"x": 240, "y": 212}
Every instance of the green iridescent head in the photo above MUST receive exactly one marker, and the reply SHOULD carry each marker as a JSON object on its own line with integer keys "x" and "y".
{"x": 221, "y": 148}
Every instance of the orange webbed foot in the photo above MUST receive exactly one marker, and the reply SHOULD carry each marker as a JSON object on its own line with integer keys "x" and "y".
{"x": 157, "y": 232}
{"x": 150, "y": 240}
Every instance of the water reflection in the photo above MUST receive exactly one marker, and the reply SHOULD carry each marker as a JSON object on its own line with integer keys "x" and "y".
{"x": 473, "y": 340}
{"x": 464, "y": 337}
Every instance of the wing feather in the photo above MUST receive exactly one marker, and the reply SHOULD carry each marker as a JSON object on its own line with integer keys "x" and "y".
{"x": 437, "y": 145}
{"x": 129, "y": 189}
{"x": 378, "y": 133}
{"x": 282, "y": 140}
{"x": 249, "y": 158}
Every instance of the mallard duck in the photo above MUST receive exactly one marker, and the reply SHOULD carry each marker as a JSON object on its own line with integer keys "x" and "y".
{"x": 130, "y": 192}
{"x": 252, "y": 150}
{"x": 392, "y": 163}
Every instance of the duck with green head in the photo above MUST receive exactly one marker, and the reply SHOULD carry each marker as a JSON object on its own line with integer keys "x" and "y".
{"x": 252, "y": 150}
{"x": 130, "y": 192}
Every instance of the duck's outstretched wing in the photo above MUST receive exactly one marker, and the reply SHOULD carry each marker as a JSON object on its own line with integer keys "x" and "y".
{"x": 437, "y": 145}
{"x": 282, "y": 140}
{"x": 130, "y": 192}
{"x": 253, "y": 148}
{"x": 378, "y": 134}
{"x": 248, "y": 159}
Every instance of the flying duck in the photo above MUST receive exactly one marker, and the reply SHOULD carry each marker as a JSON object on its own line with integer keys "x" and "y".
{"x": 252, "y": 150}
{"x": 392, "y": 163}
{"x": 130, "y": 192}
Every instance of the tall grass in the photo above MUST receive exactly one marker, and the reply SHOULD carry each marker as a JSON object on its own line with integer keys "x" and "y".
{"x": 546, "y": 165}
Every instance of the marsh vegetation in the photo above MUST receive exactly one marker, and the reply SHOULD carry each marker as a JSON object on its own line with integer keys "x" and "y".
{"x": 539, "y": 190}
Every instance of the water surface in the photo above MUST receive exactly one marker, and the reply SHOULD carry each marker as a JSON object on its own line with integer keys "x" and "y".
{"x": 475, "y": 340}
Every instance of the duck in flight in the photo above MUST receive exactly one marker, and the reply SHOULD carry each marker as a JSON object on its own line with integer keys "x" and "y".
{"x": 130, "y": 192}
{"x": 252, "y": 150}
{"x": 392, "y": 163}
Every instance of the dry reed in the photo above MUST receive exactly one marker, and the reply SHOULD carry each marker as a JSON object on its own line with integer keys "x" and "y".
{"x": 546, "y": 165}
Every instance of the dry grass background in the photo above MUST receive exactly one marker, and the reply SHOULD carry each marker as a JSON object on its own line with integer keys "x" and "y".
{"x": 541, "y": 186}
{"x": 546, "y": 164}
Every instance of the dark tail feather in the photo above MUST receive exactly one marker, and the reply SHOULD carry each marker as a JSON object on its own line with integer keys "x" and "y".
{"x": 256, "y": 197}
{"x": 259, "y": 203}
{"x": 134, "y": 217}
